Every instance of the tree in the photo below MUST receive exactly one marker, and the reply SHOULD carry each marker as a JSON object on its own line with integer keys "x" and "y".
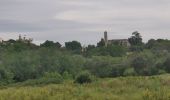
{"x": 167, "y": 65}
{"x": 11, "y": 41}
{"x": 19, "y": 46}
{"x": 144, "y": 66}
{"x": 158, "y": 45}
{"x": 116, "y": 50}
{"x": 100, "y": 66}
{"x": 139, "y": 64}
{"x": 51, "y": 44}
{"x": 101, "y": 43}
{"x": 151, "y": 43}
{"x": 90, "y": 47}
{"x": 135, "y": 39}
{"x": 74, "y": 45}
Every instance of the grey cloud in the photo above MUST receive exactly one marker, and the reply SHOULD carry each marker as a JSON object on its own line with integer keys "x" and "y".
{"x": 84, "y": 20}
{"x": 16, "y": 26}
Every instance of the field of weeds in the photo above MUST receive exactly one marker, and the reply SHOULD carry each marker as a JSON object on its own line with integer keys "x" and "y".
{"x": 122, "y": 88}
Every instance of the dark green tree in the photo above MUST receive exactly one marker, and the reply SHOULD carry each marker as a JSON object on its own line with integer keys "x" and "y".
{"x": 11, "y": 41}
{"x": 51, "y": 44}
{"x": 135, "y": 39}
{"x": 116, "y": 50}
{"x": 74, "y": 45}
{"x": 144, "y": 66}
{"x": 90, "y": 47}
{"x": 167, "y": 65}
{"x": 151, "y": 43}
{"x": 84, "y": 77}
{"x": 101, "y": 43}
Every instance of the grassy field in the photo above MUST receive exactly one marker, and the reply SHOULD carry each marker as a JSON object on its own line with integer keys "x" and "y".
{"x": 122, "y": 88}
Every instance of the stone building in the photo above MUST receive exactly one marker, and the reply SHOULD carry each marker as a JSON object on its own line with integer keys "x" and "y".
{"x": 1, "y": 40}
{"x": 24, "y": 39}
{"x": 122, "y": 42}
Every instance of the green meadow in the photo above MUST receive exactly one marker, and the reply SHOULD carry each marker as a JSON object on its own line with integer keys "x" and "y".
{"x": 121, "y": 88}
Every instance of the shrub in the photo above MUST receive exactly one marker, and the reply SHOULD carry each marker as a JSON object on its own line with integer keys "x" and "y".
{"x": 48, "y": 78}
{"x": 84, "y": 77}
{"x": 140, "y": 66}
{"x": 5, "y": 77}
{"x": 144, "y": 65}
{"x": 160, "y": 71}
{"x": 2, "y": 74}
{"x": 117, "y": 70}
{"x": 129, "y": 72}
{"x": 167, "y": 65}
{"x": 104, "y": 66}
{"x": 67, "y": 75}
{"x": 52, "y": 75}
{"x": 42, "y": 81}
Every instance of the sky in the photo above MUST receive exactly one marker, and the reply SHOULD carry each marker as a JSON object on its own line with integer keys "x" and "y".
{"x": 84, "y": 20}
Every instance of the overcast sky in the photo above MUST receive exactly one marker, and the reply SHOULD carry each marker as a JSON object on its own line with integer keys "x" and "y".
{"x": 84, "y": 20}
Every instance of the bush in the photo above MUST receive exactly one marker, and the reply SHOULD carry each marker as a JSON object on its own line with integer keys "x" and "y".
{"x": 161, "y": 71}
{"x": 118, "y": 70}
{"x": 167, "y": 65}
{"x": 140, "y": 66}
{"x": 104, "y": 66}
{"x": 84, "y": 77}
{"x": 67, "y": 75}
{"x": 42, "y": 81}
{"x": 129, "y": 72}
{"x": 5, "y": 77}
{"x": 144, "y": 65}
{"x": 48, "y": 78}
{"x": 52, "y": 75}
{"x": 3, "y": 74}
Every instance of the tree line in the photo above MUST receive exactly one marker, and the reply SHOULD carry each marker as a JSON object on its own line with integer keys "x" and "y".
{"x": 21, "y": 61}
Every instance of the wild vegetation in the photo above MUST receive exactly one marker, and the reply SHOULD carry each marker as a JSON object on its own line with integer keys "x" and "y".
{"x": 27, "y": 64}
{"x": 121, "y": 88}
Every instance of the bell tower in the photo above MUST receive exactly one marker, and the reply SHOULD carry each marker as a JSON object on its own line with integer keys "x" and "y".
{"x": 105, "y": 38}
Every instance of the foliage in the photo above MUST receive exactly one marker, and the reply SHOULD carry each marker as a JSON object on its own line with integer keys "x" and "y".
{"x": 134, "y": 48}
{"x": 84, "y": 77}
{"x": 51, "y": 44}
{"x": 128, "y": 88}
{"x": 101, "y": 43}
{"x": 129, "y": 72}
{"x": 90, "y": 47}
{"x": 166, "y": 64}
{"x": 67, "y": 75}
{"x": 74, "y": 45}
{"x": 21, "y": 61}
{"x": 102, "y": 66}
{"x": 112, "y": 50}
{"x": 159, "y": 45}
{"x": 136, "y": 38}
{"x": 140, "y": 66}
{"x": 26, "y": 64}
{"x": 116, "y": 50}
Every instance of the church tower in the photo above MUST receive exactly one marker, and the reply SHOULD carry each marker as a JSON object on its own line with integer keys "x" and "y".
{"x": 20, "y": 38}
{"x": 105, "y": 38}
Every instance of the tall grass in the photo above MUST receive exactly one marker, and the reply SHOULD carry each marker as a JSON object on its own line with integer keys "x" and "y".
{"x": 122, "y": 88}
